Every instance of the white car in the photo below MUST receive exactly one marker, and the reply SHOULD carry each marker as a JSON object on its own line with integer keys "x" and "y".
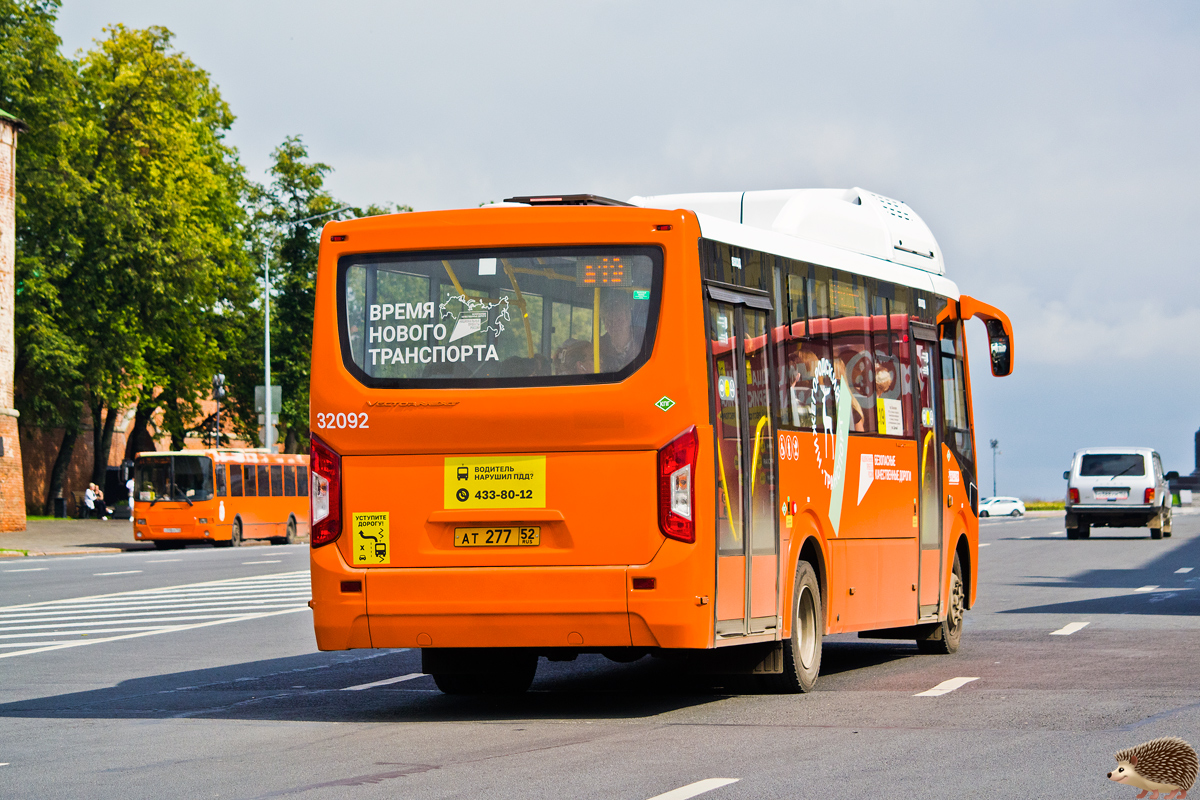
{"x": 1001, "y": 507}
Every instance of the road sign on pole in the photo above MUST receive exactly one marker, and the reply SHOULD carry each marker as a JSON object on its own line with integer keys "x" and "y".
{"x": 261, "y": 408}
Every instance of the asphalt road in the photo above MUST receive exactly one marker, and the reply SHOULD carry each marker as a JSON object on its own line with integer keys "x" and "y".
{"x": 205, "y": 682}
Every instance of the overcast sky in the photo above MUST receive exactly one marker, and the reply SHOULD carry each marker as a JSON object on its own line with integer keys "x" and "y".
{"x": 1051, "y": 147}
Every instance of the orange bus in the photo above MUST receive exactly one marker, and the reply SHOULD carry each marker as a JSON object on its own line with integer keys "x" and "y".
{"x": 219, "y": 496}
{"x": 726, "y": 422}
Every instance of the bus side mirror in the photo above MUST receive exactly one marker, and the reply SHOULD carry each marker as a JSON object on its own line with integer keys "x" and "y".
{"x": 1067, "y": 475}
{"x": 1000, "y": 348}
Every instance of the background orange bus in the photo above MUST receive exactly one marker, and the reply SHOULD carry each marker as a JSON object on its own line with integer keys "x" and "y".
{"x": 585, "y": 426}
{"x": 219, "y": 496}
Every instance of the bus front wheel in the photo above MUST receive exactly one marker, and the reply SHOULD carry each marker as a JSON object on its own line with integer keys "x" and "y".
{"x": 802, "y": 650}
{"x": 945, "y": 637}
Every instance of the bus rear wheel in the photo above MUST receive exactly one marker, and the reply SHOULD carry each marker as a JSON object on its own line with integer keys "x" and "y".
{"x": 945, "y": 638}
{"x": 235, "y": 534}
{"x": 802, "y": 650}
{"x": 507, "y": 674}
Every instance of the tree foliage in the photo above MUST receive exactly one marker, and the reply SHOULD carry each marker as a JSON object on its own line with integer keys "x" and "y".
{"x": 296, "y": 192}
{"x": 140, "y": 242}
{"x": 135, "y": 258}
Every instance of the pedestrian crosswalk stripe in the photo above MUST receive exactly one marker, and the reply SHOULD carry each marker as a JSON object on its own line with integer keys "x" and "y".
{"x": 74, "y": 622}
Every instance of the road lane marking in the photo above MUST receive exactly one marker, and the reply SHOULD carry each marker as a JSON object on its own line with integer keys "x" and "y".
{"x": 1067, "y": 630}
{"x": 1146, "y": 588}
{"x": 693, "y": 789}
{"x": 207, "y": 588}
{"x": 41, "y": 627}
{"x": 409, "y": 677}
{"x": 124, "y": 572}
{"x": 1180, "y": 571}
{"x": 946, "y": 687}
{"x": 165, "y": 561}
{"x": 276, "y": 561}
{"x": 29, "y": 569}
{"x": 986, "y": 544}
{"x": 152, "y": 632}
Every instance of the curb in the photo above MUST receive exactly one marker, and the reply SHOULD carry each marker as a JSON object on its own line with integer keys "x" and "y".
{"x": 82, "y": 552}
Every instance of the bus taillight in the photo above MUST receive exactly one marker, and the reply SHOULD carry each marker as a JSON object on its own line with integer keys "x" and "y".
{"x": 676, "y": 491}
{"x": 326, "y": 469}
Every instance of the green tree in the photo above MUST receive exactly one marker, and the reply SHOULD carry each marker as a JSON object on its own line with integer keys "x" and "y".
{"x": 135, "y": 255}
{"x": 296, "y": 192}
{"x": 38, "y": 85}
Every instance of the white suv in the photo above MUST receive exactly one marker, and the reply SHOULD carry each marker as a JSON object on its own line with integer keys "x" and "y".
{"x": 1117, "y": 487}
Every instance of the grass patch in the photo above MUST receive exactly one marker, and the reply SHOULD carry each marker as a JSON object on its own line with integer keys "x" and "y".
{"x": 13, "y": 550}
{"x": 40, "y": 517}
{"x": 1045, "y": 505}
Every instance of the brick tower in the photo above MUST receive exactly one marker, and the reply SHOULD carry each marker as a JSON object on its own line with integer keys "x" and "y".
{"x": 12, "y": 482}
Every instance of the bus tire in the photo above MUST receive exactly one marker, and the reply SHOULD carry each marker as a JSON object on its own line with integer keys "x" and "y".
{"x": 235, "y": 534}
{"x": 946, "y": 636}
{"x": 292, "y": 537}
{"x": 511, "y": 675}
{"x": 802, "y": 650}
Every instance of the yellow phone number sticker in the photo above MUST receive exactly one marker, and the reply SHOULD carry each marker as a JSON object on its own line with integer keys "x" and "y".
{"x": 495, "y": 482}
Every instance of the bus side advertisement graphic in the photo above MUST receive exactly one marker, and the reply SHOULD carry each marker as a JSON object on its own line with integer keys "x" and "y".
{"x": 495, "y": 482}
{"x": 371, "y": 538}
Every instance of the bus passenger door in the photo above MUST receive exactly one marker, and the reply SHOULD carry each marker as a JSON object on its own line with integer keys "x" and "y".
{"x": 747, "y": 539}
{"x": 929, "y": 470}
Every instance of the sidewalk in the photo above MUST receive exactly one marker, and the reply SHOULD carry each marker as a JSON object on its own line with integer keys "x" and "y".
{"x": 60, "y": 537}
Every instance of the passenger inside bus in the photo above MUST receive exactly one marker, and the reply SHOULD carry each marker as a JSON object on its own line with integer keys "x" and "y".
{"x": 573, "y": 357}
{"x": 621, "y": 342}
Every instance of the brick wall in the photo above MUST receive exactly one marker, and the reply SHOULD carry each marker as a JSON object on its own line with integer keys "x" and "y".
{"x": 12, "y": 487}
{"x": 40, "y": 448}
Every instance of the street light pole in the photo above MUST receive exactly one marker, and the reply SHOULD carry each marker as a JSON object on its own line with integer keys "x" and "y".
{"x": 268, "y": 428}
{"x": 995, "y": 443}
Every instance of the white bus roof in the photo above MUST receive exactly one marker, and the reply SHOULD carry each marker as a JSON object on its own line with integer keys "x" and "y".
{"x": 850, "y": 229}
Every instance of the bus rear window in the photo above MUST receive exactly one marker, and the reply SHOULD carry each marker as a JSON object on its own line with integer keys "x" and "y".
{"x": 1112, "y": 464}
{"x": 500, "y": 317}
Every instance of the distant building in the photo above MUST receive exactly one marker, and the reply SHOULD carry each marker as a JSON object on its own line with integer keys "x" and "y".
{"x": 12, "y": 482}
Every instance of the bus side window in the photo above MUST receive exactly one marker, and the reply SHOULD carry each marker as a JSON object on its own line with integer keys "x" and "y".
{"x": 276, "y": 480}
{"x": 220, "y": 473}
{"x": 235, "y": 480}
{"x": 954, "y": 389}
{"x": 248, "y": 476}
{"x": 264, "y": 480}
{"x": 289, "y": 481}
{"x": 893, "y": 378}
{"x": 302, "y": 481}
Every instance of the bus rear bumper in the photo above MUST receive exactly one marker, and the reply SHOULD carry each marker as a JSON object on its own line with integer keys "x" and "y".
{"x": 499, "y": 607}
{"x": 581, "y": 608}
{"x": 339, "y": 601}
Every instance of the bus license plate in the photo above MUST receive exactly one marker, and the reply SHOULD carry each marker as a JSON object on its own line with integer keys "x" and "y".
{"x": 498, "y": 537}
{"x": 172, "y": 530}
